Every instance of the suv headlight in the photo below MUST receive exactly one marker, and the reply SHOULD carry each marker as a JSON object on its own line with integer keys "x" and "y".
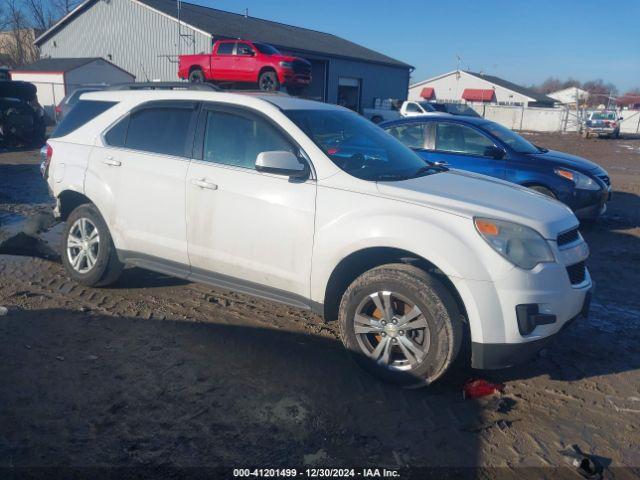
{"x": 286, "y": 64}
{"x": 522, "y": 246}
{"x": 580, "y": 180}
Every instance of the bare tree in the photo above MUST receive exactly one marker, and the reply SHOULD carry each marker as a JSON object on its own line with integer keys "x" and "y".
{"x": 630, "y": 99}
{"x": 16, "y": 37}
{"x": 600, "y": 93}
{"x": 62, "y": 7}
{"x": 42, "y": 16}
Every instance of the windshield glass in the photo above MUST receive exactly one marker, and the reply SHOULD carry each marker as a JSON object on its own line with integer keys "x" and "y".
{"x": 603, "y": 116}
{"x": 515, "y": 141}
{"x": 359, "y": 147}
{"x": 266, "y": 49}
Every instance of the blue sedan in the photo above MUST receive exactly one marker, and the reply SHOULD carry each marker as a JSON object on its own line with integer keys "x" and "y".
{"x": 485, "y": 147}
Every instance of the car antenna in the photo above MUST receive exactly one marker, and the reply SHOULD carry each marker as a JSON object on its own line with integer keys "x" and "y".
{"x": 144, "y": 72}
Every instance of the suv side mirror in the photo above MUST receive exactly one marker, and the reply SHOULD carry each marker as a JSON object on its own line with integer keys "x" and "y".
{"x": 495, "y": 152}
{"x": 281, "y": 163}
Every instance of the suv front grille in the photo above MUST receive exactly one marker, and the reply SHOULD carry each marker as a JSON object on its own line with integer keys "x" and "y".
{"x": 577, "y": 273}
{"x": 301, "y": 68}
{"x": 568, "y": 237}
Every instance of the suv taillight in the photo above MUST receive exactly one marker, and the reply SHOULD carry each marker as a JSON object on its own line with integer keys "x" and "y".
{"x": 46, "y": 153}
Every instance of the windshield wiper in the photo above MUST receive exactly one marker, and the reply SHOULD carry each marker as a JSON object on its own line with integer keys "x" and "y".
{"x": 430, "y": 169}
{"x": 541, "y": 149}
{"x": 390, "y": 177}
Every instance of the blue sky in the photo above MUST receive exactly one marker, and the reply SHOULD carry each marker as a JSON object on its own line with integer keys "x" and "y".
{"x": 524, "y": 42}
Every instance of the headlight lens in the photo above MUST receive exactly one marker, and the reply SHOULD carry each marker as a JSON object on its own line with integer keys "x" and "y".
{"x": 286, "y": 64}
{"x": 579, "y": 180}
{"x": 522, "y": 246}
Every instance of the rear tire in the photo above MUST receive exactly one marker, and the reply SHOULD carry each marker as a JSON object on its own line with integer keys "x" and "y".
{"x": 88, "y": 253}
{"x": 196, "y": 76}
{"x": 400, "y": 324}
{"x": 268, "y": 81}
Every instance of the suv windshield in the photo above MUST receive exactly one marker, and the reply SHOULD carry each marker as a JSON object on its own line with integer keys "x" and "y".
{"x": 515, "y": 141}
{"x": 359, "y": 147}
{"x": 266, "y": 49}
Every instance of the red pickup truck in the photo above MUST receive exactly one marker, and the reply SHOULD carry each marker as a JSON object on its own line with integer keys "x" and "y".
{"x": 241, "y": 61}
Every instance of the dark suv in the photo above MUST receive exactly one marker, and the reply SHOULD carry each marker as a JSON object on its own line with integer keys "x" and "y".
{"x": 22, "y": 119}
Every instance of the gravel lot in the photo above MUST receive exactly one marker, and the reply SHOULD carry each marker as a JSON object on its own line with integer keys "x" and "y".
{"x": 160, "y": 372}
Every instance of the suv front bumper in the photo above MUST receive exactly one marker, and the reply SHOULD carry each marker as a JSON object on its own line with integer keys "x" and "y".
{"x": 490, "y": 356}
{"x": 515, "y": 315}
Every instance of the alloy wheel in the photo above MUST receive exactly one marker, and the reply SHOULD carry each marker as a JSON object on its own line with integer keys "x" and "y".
{"x": 392, "y": 330}
{"x": 267, "y": 83}
{"x": 83, "y": 244}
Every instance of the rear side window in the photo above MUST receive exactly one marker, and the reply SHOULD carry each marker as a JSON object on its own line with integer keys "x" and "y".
{"x": 225, "y": 48}
{"x": 81, "y": 113}
{"x": 164, "y": 130}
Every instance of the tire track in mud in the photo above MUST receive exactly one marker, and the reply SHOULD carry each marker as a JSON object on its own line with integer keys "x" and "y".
{"x": 542, "y": 423}
{"x": 166, "y": 299}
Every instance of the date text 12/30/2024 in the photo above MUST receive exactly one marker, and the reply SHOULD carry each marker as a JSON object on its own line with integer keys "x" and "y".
{"x": 315, "y": 473}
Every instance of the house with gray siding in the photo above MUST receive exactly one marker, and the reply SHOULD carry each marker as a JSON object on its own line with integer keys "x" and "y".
{"x": 145, "y": 37}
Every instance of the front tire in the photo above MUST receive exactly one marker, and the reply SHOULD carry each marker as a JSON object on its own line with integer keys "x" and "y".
{"x": 268, "y": 81}
{"x": 89, "y": 255}
{"x": 401, "y": 324}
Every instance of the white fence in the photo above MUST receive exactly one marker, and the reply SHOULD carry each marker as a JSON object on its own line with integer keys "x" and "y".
{"x": 548, "y": 119}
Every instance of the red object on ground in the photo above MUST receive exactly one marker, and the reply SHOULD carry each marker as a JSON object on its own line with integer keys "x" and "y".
{"x": 480, "y": 388}
{"x": 478, "y": 94}
{"x": 427, "y": 93}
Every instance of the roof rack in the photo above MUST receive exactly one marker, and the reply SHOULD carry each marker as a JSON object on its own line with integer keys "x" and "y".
{"x": 166, "y": 86}
{"x": 256, "y": 91}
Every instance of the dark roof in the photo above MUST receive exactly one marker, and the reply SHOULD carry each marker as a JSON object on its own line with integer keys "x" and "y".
{"x": 538, "y": 97}
{"x": 233, "y": 25}
{"x": 56, "y": 64}
{"x": 220, "y": 23}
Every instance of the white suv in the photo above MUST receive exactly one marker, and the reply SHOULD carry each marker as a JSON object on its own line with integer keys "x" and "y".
{"x": 312, "y": 205}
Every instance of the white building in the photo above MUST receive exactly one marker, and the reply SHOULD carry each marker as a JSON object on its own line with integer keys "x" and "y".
{"x": 56, "y": 77}
{"x": 568, "y": 96}
{"x": 462, "y": 86}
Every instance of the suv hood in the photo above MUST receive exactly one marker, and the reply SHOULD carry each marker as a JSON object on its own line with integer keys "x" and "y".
{"x": 470, "y": 195}
{"x": 569, "y": 161}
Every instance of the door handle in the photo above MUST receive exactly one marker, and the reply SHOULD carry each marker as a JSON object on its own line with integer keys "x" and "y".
{"x": 111, "y": 162}
{"x": 202, "y": 183}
